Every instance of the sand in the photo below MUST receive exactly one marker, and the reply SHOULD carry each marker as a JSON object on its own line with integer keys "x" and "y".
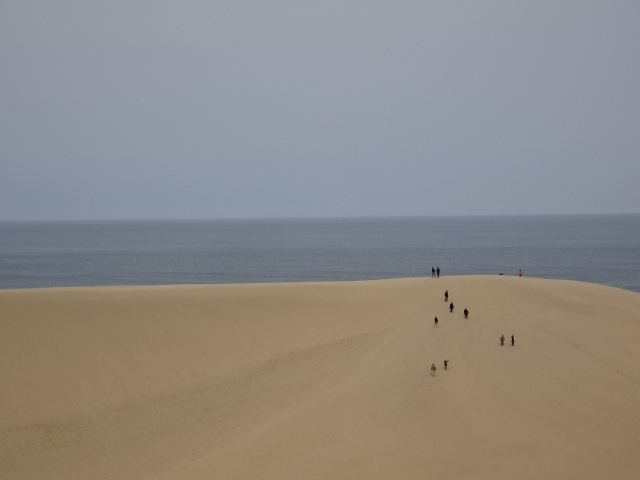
{"x": 321, "y": 381}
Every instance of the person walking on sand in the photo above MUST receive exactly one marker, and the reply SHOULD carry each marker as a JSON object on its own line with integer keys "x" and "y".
{"x": 435, "y": 321}
{"x": 438, "y": 271}
{"x": 446, "y": 296}
{"x": 446, "y": 362}
{"x": 466, "y": 313}
{"x": 502, "y": 339}
{"x": 433, "y": 370}
{"x": 513, "y": 340}
{"x": 451, "y": 307}
{"x": 519, "y": 273}
{"x": 433, "y": 272}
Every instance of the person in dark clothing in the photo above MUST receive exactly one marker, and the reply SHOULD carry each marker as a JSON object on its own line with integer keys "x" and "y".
{"x": 446, "y": 296}
{"x": 451, "y": 307}
{"x": 466, "y": 313}
{"x": 513, "y": 340}
{"x": 438, "y": 271}
{"x": 433, "y": 272}
{"x": 435, "y": 321}
{"x": 502, "y": 339}
{"x": 446, "y": 362}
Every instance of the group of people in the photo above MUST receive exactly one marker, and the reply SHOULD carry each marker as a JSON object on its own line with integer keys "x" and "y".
{"x": 446, "y": 299}
{"x": 451, "y": 307}
{"x": 435, "y": 272}
{"x": 435, "y": 321}
{"x": 513, "y": 340}
{"x": 433, "y": 367}
{"x": 466, "y": 315}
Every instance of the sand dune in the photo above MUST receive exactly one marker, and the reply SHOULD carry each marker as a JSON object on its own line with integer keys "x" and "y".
{"x": 321, "y": 381}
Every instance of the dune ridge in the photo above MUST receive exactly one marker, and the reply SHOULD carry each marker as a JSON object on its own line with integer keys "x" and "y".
{"x": 321, "y": 380}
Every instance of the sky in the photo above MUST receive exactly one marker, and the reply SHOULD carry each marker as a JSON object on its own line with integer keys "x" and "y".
{"x": 155, "y": 109}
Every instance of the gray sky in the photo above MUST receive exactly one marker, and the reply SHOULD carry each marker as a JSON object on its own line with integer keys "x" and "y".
{"x": 213, "y": 109}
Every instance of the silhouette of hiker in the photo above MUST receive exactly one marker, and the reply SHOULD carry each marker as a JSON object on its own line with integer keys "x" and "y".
{"x": 438, "y": 271}
{"x": 435, "y": 320}
{"x": 446, "y": 296}
{"x": 433, "y": 370}
{"x": 433, "y": 272}
{"x": 466, "y": 313}
{"x": 502, "y": 339}
{"x": 446, "y": 362}
{"x": 513, "y": 340}
{"x": 451, "y": 307}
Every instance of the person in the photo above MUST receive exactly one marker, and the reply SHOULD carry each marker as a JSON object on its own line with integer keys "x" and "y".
{"x": 519, "y": 273}
{"x": 466, "y": 313}
{"x": 435, "y": 320}
{"x": 446, "y": 362}
{"x": 433, "y": 272}
{"x": 513, "y": 340}
{"x": 446, "y": 296}
{"x": 433, "y": 370}
{"x": 502, "y": 339}
{"x": 438, "y": 271}
{"x": 451, "y": 307}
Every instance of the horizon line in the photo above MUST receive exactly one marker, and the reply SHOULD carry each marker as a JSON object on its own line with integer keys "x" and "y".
{"x": 314, "y": 217}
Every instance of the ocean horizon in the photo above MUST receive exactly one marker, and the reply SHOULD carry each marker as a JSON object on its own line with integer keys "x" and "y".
{"x": 595, "y": 248}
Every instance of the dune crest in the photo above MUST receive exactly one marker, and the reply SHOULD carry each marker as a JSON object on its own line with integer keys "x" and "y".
{"x": 321, "y": 380}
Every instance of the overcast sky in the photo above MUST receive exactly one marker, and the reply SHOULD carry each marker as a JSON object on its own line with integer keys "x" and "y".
{"x": 295, "y": 108}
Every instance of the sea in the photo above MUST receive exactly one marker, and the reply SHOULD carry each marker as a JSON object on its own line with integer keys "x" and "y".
{"x": 603, "y": 249}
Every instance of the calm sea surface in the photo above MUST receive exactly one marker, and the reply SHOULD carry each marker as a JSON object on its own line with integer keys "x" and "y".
{"x": 593, "y": 248}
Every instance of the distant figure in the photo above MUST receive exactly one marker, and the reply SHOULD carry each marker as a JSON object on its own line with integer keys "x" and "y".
{"x": 435, "y": 320}
{"x": 433, "y": 370}
{"x": 438, "y": 271}
{"x": 513, "y": 340}
{"x": 446, "y": 362}
{"x": 466, "y": 313}
{"x": 519, "y": 273}
{"x": 451, "y": 307}
{"x": 433, "y": 272}
{"x": 502, "y": 339}
{"x": 446, "y": 296}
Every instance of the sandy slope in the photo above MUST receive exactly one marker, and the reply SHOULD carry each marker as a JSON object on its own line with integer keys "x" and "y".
{"x": 321, "y": 381}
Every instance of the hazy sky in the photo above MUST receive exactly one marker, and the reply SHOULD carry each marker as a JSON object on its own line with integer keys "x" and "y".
{"x": 294, "y": 108}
